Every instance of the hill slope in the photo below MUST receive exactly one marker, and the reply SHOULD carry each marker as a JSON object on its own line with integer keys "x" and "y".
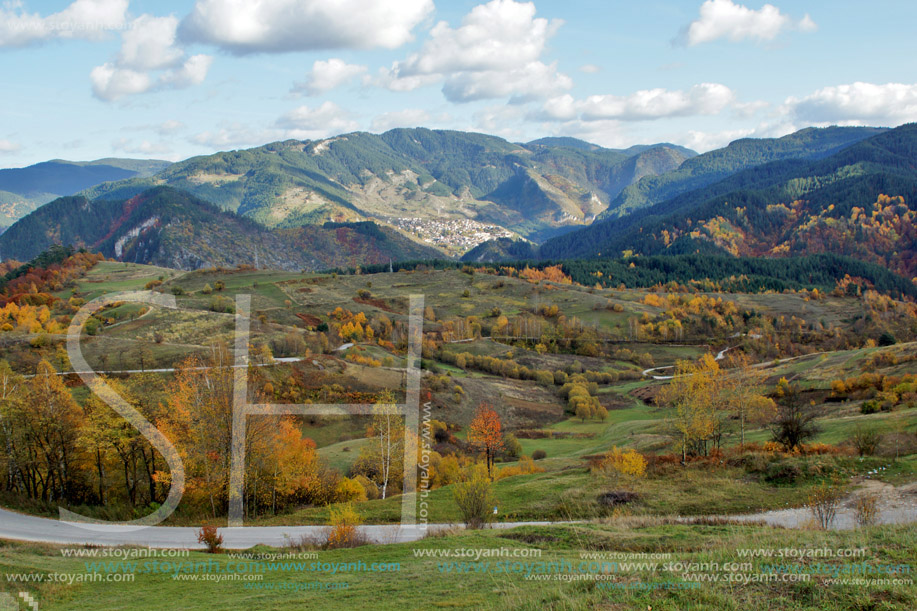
{"x": 24, "y": 189}
{"x": 437, "y": 175}
{"x": 705, "y": 169}
{"x": 859, "y": 202}
{"x": 170, "y": 228}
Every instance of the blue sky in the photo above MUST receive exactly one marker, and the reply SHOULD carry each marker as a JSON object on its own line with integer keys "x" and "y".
{"x": 87, "y": 79}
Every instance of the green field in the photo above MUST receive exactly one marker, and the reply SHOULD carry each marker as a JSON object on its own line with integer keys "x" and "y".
{"x": 567, "y": 573}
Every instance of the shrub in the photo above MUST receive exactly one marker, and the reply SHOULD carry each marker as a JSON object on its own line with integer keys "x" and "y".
{"x": 628, "y": 463}
{"x": 473, "y": 497}
{"x": 370, "y": 489}
{"x": 209, "y": 536}
{"x": 539, "y": 454}
{"x": 525, "y": 467}
{"x": 752, "y": 462}
{"x": 887, "y": 339}
{"x": 866, "y": 509}
{"x": 349, "y": 490}
{"x": 207, "y": 289}
{"x": 823, "y": 449}
{"x": 344, "y": 522}
{"x": 177, "y": 290}
{"x": 870, "y": 407}
{"x": 823, "y": 503}
{"x": 616, "y": 497}
{"x": 222, "y": 304}
{"x": 782, "y": 472}
{"x": 865, "y": 440}
{"x": 511, "y": 446}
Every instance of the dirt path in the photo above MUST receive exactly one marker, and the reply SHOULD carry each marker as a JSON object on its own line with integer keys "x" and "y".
{"x": 896, "y": 506}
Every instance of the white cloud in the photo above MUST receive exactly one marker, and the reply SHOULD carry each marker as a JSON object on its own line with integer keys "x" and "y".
{"x": 494, "y": 53}
{"x": 409, "y": 117}
{"x": 8, "y": 147}
{"x": 645, "y": 105}
{"x": 736, "y": 22}
{"x": 707, "y": 141}
{"x": 306, "y": 123}
{"x": 858, "y": 103}
{"x": 328, "y": 75}
{"x": 234, "y": 135}
{"x": 391, "y": 80}
{"x": 83, "y": 19}
{"x": 276, "y": 26}
{"x": 504, "y": 121}
{"x": 590, "y": 68}
{"x": 192, "y": 72}
{"x": 608, "y": 133}
{"x": 111, "y": 83}
{"x": 499, "y": 35}
{"x": 148, "y": 46}
{"x": 533, "y": 81}
{"x": 561, "y": 108}
{"x": 145, "y": 147}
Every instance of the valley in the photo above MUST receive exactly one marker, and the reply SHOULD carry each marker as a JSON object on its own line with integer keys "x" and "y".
{"x": 736, "y": 359}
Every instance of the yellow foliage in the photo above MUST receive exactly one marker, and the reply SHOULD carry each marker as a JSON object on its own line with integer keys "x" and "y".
{"x": 344, "y": 522}
{"x": 630, "y": 463}
{"x": 525, "y": 467}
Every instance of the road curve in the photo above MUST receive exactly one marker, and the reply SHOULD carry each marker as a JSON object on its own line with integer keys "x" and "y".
{"x": 21, "y": 527}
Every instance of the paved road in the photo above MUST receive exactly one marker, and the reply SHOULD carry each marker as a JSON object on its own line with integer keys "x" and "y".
{"x": 23, "y": 527}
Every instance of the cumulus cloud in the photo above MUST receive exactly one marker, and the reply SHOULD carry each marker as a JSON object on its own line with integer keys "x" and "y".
{"x": 148, "y": 46}
{"x": 736, "y": 22}
{"x": 499, "y": 35}
{"x": 83, "y": 19}
{"x": 307, "y": 123}
{"x": 192, "y": 72}
{"x": 276, "y": 26}
{"x": 8, "y": 147}
{"x": 111, "y": 83}
{"x": 645, "y": 105}
{"x": 590, "y": 68}
{"x": 494, "y": 53}
{"x": 409, "y": 117}
{"x": 532, "y": 81}
{"x": 858, "y": 103}
{"x": 328, "y": 75}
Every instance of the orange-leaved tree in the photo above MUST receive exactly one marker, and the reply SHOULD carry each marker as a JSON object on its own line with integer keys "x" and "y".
{"x": 485, "y": 433}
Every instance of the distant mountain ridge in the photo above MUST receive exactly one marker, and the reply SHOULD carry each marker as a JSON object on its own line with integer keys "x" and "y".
{"x": 24, "y": 189}
{"x": 859, "y": 202}
{"x": 708, "y": 168}
{"x": 530, "y": 189}
{"x": 167, "y": 227}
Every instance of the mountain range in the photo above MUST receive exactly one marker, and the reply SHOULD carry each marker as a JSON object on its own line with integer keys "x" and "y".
{"x": 420, "y": 194}
{"x": 859, "y": 201}
{"x": 25, "y": 189}
{"x": 171, "y": 228}
{"x": 444, "y": 176}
